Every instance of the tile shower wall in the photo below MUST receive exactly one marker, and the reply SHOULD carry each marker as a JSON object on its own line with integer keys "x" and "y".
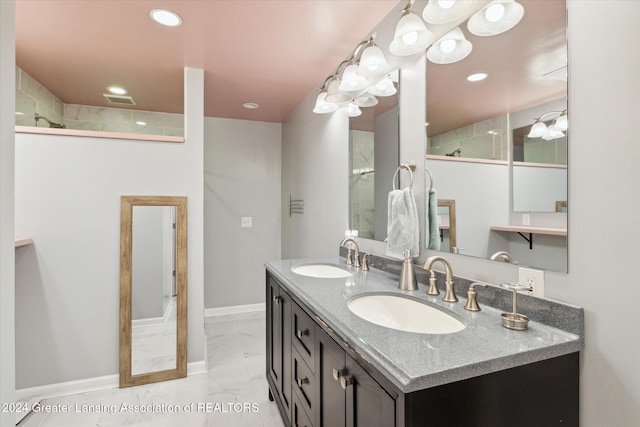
{"x": 362, "y": 183}
{"x": 483, "y": 140}
{"x": 32, "y": 97}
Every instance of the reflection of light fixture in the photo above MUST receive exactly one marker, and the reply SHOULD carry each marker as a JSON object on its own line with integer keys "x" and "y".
{"x": 498, "y": 17}
{"x": 540, "y": 130}
{"x": 444, "y": 11}
{"x": 352, "y": 110}
{"x": 452, "y": 47}
{"x": 411, "y": 35}
{"x": 166, "y": 17}
{"x": 350, "y": 89}
{"x": 476, "y": 77}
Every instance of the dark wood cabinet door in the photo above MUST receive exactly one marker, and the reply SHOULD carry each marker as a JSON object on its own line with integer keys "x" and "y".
{"x": 367, "y": 404}
{"x": 286, "y": 311}
{"x": 329, "y": 357}
{"x": 274, "y": 333}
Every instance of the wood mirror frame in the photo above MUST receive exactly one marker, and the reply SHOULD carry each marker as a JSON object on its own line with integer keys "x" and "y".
{"x": 451, "y": 204}
{"x": 126, "y": 246}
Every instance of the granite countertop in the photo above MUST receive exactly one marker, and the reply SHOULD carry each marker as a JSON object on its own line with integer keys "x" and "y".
{"x": 415, "y": 361}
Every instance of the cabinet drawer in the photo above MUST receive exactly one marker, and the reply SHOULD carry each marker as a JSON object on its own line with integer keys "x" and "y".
{"x": 304, "y": 335}
{"x": 299, "y": 416}
{"x": 304, "y": 383}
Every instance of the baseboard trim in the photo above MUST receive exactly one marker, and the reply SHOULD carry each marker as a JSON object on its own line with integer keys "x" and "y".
{"x": 234, "y": 309}
{"x": 87, "y": 385}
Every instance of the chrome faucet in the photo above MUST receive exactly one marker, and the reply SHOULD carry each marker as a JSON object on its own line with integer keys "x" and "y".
{"x": 449, "y": 293}
{"x": 350, "y": 260}
{"x": 502, "y": 255}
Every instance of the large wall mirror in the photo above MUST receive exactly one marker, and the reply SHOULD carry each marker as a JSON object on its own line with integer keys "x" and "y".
{"x": 481, "y": 150}
{"x": 153, "y": 289}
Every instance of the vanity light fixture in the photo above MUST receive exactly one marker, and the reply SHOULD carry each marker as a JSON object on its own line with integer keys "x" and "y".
{"x": 322, "y": 106}
{"x": 445, "y": 11}
{"x": 372, "y": 61}
{"x": 352, "y": 110}
{"x": 476, "y": 77}
{"x": 453, "y": 47}
{"x": 366, "y": 100}
{"x": 116, "y": 90}
{"x": 166, "y": 17}
{"x": 384, "y": 87}
{"x": 499, "y": 16}
{"x": 411, "y": 35}
{"x": 351, "y": 80}
{"x": 540, "y": 130}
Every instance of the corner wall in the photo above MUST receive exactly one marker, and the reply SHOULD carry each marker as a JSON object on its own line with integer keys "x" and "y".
{"x": 7, "y": 231}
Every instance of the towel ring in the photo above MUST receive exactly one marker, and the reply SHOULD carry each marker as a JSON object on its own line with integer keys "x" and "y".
{"x": 410, "y": 166}
{"x": 430, "y": 178}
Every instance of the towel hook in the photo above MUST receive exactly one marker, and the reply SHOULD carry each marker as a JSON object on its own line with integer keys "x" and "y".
{"x": 410, "y": 166}
{"x": 430, "y": 178}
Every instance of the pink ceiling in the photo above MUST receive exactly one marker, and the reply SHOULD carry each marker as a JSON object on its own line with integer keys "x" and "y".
{"x": 271, "y": 52}
{"x": 515, "y": 61}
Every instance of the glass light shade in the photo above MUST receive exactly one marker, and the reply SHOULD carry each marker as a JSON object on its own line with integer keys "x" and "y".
{"x": 550, "y": 134}
{"x": 537, "y": 130}
{"x": 353, "y": 81}
{"x": 352, "y": 110}
{"x": 384, "y": 87}
{"x": 445, "y": 11}
{"x": 499, "y": 16}
{"x": 561, "y": 122}
{"x": 373, "y": 62}
{"x": 411, "y": 36}
{"x": 366, "y": 100}
{"x": 334, "y": 94}
{"x": 453, "y": 47}
{"x": 322, "y": 106}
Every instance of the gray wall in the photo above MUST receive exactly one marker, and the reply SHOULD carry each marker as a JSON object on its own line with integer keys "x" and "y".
{"x": 242, "y": 179}
{"x": 7, "y": 231}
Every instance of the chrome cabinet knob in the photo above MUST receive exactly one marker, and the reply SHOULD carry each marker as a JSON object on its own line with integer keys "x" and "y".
{"x": 277, "y": 299}
{"x": 301, "y": 334}
{"x": 346, "y": 381}
{"x": 302, "y": 381}
{"x": 337, "y": 374}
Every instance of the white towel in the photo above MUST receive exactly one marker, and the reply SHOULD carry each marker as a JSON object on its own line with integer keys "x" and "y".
{"x": 403, "y": 228}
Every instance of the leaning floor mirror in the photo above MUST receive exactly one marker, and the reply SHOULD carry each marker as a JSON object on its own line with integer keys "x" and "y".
{"x": 153, "y": 289}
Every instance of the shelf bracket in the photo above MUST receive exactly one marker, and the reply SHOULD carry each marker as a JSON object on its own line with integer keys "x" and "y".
{"x": 530, "y": 239}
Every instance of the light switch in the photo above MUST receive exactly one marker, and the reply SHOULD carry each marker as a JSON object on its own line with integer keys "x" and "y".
{"x": 246, "y": 222}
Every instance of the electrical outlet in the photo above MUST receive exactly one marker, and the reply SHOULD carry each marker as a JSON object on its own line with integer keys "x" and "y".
{"x": 526, "y": 219}
{"x": 532, "y": 278}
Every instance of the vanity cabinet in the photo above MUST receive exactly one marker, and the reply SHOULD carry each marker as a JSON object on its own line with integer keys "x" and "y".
{"x": 279, "y": 360}
{"x": 319, "y": 380}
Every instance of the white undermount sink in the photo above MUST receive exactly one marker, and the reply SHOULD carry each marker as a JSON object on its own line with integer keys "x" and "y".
{"x": 325, "y": 271}
{"x": 404, "y": 314}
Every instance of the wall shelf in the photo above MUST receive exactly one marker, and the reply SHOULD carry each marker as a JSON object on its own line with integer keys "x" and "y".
{"x": 23, "y": 241}
{"x": 523, "y": 230}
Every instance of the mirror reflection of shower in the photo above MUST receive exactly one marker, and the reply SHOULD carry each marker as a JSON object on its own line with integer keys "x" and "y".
{"x": 51, "y": 123}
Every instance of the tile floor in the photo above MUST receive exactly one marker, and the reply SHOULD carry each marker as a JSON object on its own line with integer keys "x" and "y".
{"x": 234, "y": 391}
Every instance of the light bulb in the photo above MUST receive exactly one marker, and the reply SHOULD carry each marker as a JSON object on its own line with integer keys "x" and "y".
{"x": 495, "y": 12}
{"x": 447, "y": 46}
{"x": 446, "y": 4}
{"x": 410, "y": 38}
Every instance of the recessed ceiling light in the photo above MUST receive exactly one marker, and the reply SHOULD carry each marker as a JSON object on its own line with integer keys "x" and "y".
{"x": 116, "y": 90}
{"x": 477, "y": 77}
{"x": 141, "y": 123}
{"x": 166, "y": 17}
{"x": 250, "y": 105}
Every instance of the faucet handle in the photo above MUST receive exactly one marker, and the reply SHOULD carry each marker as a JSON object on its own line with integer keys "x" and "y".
{"x": 472, "y": 302}
{"x": 349, "y": 257}
{"x": 433, "y": 289}
{"x": 365, "y": 262}
{"x": 356, "y": 259}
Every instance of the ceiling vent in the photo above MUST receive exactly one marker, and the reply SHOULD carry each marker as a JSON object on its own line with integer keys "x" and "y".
{"x": 119, "y": 99}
